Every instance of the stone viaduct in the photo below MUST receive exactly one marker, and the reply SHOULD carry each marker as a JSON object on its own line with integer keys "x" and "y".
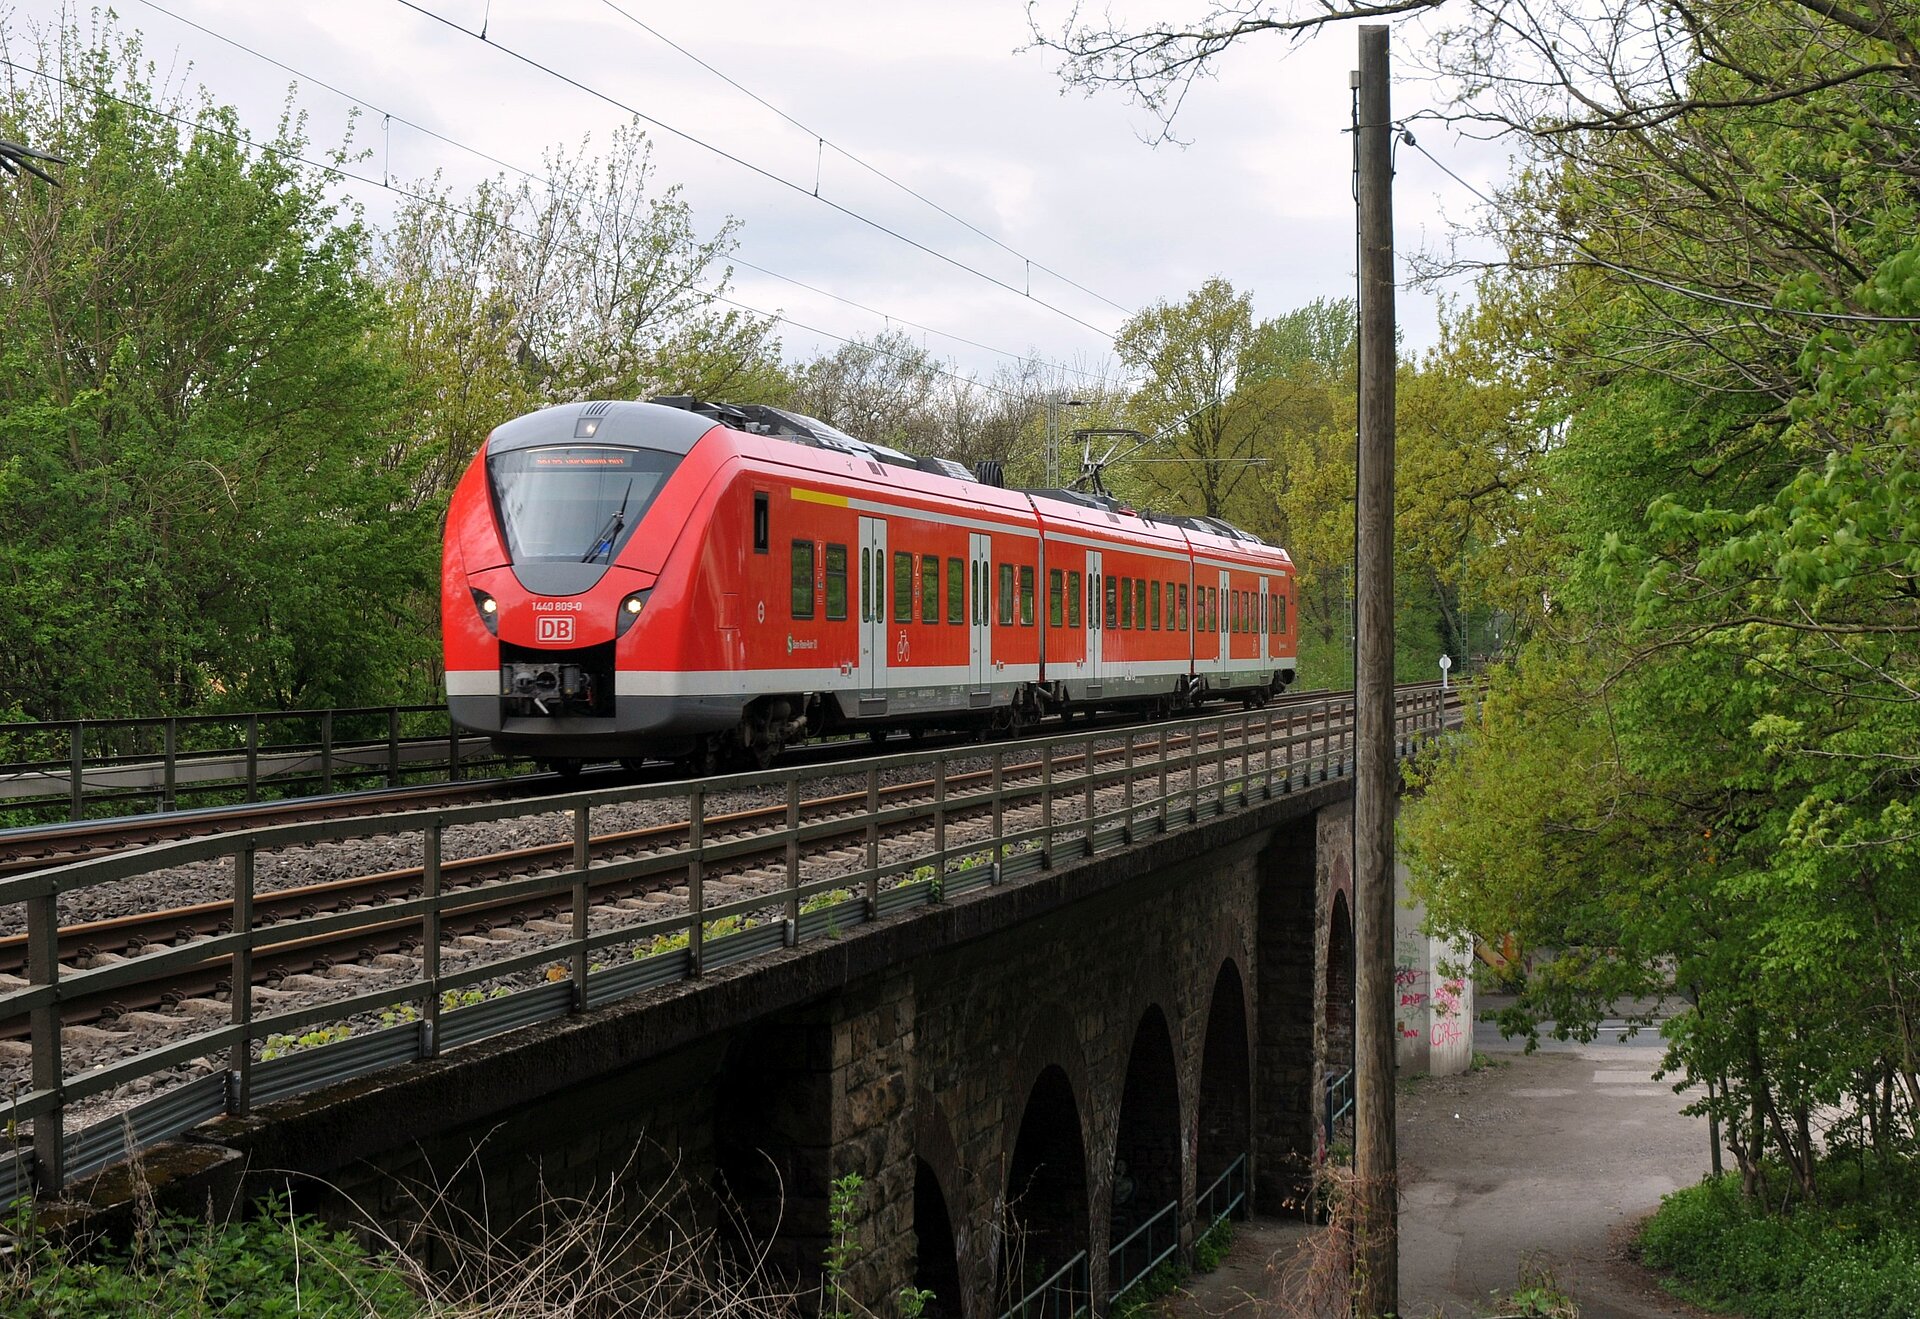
{"x": 1017, "y": 1075}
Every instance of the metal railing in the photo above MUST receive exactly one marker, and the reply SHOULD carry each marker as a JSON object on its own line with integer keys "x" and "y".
{"x": 1135, "y": 1256}
{"x": 1336, "y": 1104}
{"x": 1066, "y": 1292}
{"x": 1201, "y": 768}
{"x": 79, "y": 767}
{"x": 1225, "y": 1196}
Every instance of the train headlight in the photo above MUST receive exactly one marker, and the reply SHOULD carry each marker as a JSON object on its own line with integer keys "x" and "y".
{"x": 489, "y": 609}
{"x": 630, "y": 609}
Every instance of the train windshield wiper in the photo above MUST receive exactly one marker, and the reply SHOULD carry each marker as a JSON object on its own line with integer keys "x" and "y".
{"x": 603, "y": 543}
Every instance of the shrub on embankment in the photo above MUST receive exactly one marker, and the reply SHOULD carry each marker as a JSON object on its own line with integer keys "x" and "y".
{"x": 1853, "y": 1255}
{"x": 279, "y": 1263}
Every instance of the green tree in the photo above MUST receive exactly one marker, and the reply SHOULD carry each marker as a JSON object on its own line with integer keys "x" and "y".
{"x": 593, "y": 283}
{"x": 193, "y": 414}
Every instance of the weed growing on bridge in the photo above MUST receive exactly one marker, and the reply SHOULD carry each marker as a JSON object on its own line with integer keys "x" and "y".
{"x": 842, "y": 1250}
{"x": 278, "y": 1046}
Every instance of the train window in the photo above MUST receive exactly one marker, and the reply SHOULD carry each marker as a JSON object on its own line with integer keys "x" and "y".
{"x": 574, "y": 503}
{"x": 1026, "y": 595}
{"x": 1239, "y": 611}
{"x": 1279, "y": 615}
{"x": 1126, "y": 601}
{"x": 1006, "y": 595}
{"x": 761, "y": 525}
{"x": 1140, "y": 603}
{"x": 930, "y": 588}
{"x": 902, "y": 587}
{"x": 836, "y": 582}
{"x": 1073, "y": 599}
{"x": 1093, "y": 601}
{"x": 1056, "y": 598}
{"x": 1170, "y": 616}
{"x": 866, "y": 584}
{"x": 1113, "y": 601}
{"x": 956, "y": 591}
{"x": 803, "y": 579}
{"x": 1155, "y": 615}
{"x": 979, "y": 593}
{"x": 1213, "y": 609}
{"x": 1183, "y": 606}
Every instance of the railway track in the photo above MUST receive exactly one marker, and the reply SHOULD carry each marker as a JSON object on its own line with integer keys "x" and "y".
{"x": 38, "y": 847}
{"x": 485, "y": 912}
{"x": 92, "y": 944}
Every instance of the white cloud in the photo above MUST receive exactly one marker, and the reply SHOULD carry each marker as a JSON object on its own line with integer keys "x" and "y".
{"x": 932, "y": 92}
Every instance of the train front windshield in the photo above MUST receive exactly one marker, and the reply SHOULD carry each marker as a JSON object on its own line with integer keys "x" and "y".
{"x": 574, "y": 502}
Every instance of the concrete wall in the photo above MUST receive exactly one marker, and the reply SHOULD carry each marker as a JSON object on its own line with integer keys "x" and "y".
{"x": 1433, "y": 990}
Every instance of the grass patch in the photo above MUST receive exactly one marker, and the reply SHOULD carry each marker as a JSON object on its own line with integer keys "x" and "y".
{"x": 276, "y": 1263}
{"x": 1856, "y": 1253}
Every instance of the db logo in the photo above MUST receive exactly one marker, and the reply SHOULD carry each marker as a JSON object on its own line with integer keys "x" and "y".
{"x": 553, "y": 629}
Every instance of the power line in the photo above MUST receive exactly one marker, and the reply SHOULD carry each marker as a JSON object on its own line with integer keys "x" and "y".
{"x": 1699, "y": 295}
{"x": 337, "y": 172}
{"x": 752, "y": 168}
{"x": 548, "y": 183}
{"x": 863, "y": 164}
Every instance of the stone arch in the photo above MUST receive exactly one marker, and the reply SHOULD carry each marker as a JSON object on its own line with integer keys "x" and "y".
{"x": 943, "y": 1254}
{"x": 1146, "y": 1163}
{"x": 936, "y": 1256}
{"x": 1338, "y": 987}
{"x": 1046, "y": 1216}
{"x": 1224, "y": 1114}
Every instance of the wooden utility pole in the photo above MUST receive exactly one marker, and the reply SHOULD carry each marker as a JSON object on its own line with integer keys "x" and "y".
{"x": 1377, "y": 1236}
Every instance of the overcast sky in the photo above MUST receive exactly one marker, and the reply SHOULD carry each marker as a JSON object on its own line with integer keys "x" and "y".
{"x": 935, "y": 93}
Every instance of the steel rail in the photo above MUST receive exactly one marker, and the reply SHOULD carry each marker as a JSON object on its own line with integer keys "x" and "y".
{"x": 1227, "y": 762}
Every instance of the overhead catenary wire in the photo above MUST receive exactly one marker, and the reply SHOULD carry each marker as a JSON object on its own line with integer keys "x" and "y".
{"x": 1655, "y": 281}
{"x": 337, "y": 172}
{"x": 752, "y": 168}
{"x": 824, "y": 142}
{"x": 389, "y": 117}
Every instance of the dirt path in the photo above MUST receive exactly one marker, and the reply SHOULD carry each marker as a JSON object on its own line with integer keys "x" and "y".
{"x": 1546, "y": 1159}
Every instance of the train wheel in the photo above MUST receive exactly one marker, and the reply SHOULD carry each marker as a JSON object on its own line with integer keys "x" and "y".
{"x": 879, "y": 735}
{"x": 567, "y": 767}
{"x": 704, "y": 759}
{"x": 633, "y": 764}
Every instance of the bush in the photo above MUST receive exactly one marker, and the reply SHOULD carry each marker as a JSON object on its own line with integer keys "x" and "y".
{"x": 1838, "y": 1260}
{"x": 276, "y": 1264}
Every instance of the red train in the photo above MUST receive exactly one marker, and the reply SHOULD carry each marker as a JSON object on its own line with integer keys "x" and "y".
{"x": 678, "y": 578}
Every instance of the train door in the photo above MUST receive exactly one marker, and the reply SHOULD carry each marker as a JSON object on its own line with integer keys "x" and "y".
{"x": 1096, "y": 584}
{"x": 873, "y": 613}
{"x": 1225, "y": 622}
{"x": 980, "y": 615}
{"x": 1261, "y": 624}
